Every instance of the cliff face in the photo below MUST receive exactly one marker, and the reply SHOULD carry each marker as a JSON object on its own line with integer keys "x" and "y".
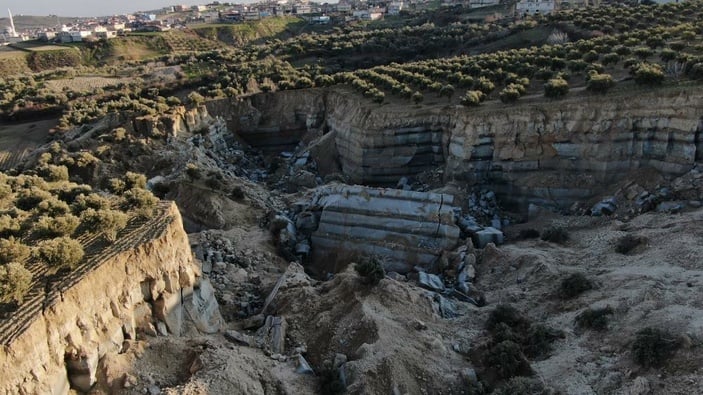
{"x": 145, "y": 277}
{"x": 549, "y": 152}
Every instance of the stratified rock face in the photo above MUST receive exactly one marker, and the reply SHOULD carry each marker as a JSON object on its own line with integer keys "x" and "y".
{"x": 146, "y": 276}
{"x": 273, "y": 122}
{"x": 544, "y": 152}
{"x": 410, "y": 228}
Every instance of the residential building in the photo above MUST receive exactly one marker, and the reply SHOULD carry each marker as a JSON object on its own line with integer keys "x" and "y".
{"x": 344, "y": 7}
{"x": 105, "y": 35}
{"x": 395, "y": 7}
{"x": 367, "y": 15}
{"x": 533, "y": 7}
{"x": 301, "y": 9}
{"x": 482, "y": 3}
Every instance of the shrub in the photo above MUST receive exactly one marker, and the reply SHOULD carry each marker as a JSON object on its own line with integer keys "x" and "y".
{"x": 134, "y": 180}
{"x": 53, "y": 173}
{"x": 643, "y": 52}
{"x": 627, "y": 243}
{"x": 10, "y": 226}
{"x": 555, "y": 234}
{"x": 538, "y": 340}
{"x": 556, "y": 87}
{"x": 509, "y": 94}
{"x": 522, "y": 386}
{"x": 596, "y": 319}
{"x": 508, "y": 315}
{"x": 195, "y": 98}
{"x": 591, "y": 56}
{"x": 528, "y": 234}
{"x": 15, "y": 281}
{"x": 69, "y": 195}
{"x": 60, "y": 253}
{"x": 447, "y": 91}
{"x": 507, "y": 360}
{"x": 106, "y": 222}
{"x": 237, "y": 193}
{"x": 52, "y": 207}
{"x": 417, "y": 97}
{"x": 600, "y": 83}
{"x": 696, "y": 71}
{"x": 574, "y": 285}
{"x": 50, "y": 227}
{"x": 193, "y": 171}
{"x": 116, "y": 186}
{"x": 141, "y": 201}
{"x": 484, "y": 85}
{"x": 610, "y": 59}
{"x": 667, "y": 55}
{"x": 653, "y": 347}
{"x": 648, "y": 74}
{"x": 370, "y": 269}
{"x": 93, "y": 200}
{"x": 28, "y": 199}
{"x": 472, "y": 98}
{"x": 13, "y": 251}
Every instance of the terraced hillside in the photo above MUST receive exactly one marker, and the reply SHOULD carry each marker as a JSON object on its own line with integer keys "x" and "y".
{"x": 47, "y": 288}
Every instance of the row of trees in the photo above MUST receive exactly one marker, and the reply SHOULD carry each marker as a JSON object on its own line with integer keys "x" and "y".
{"x": 44, "y": 214}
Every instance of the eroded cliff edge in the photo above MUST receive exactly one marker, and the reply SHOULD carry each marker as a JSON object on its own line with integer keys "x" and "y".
{"x": 535, "y": 151}
{"x": 147, "y": 277}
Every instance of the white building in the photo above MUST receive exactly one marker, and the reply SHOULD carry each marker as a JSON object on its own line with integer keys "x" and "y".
{"x": 482, "y": 3}
{"x": 395, "y": 7}
{"x": 105, "y": 35}
{"x": 344, "y": 7}
{"x": 303, "y": 9}
{"x": 533, "y": 7}
{"x": 367, "y": 15}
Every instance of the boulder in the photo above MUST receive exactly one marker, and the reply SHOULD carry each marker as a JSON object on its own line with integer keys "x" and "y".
{"x": 669, "y": 207}
{"x": 407, "y": 228}
{"x": 82, "y": 368}
{"x": 430, "y": 281}
{"x": 488, "y": 235}
{"x": 303, "y": 366}
{"x": 168, "y": 309}
{"x": 604, "y": 207}
{"x": 239, "y": 338}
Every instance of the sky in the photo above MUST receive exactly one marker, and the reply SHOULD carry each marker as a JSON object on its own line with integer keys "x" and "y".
{"x": 85, "y": 7}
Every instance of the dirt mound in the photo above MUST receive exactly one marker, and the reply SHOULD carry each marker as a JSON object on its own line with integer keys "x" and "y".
{"x": 391, "y": 334}
{"x": 209, "y": 209}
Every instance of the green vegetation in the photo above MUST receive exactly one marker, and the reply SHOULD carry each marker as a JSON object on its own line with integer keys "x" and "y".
{"x": 574, "y": 285}
{"x": 15, "y": 281}
{"x": 60, "y": 253}
{"x": 370, "y": 269}
{"x": 514, "y": 339}
{"x": 555, "y": 234}
{"x": 627, "y": 243}
{"x": 44, "y": 219}
{"x": 653, "y": 347}
{"x": 595, "y": 319}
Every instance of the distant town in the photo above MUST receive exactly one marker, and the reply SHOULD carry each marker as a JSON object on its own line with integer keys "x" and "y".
{"x": 179, "y": 16}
